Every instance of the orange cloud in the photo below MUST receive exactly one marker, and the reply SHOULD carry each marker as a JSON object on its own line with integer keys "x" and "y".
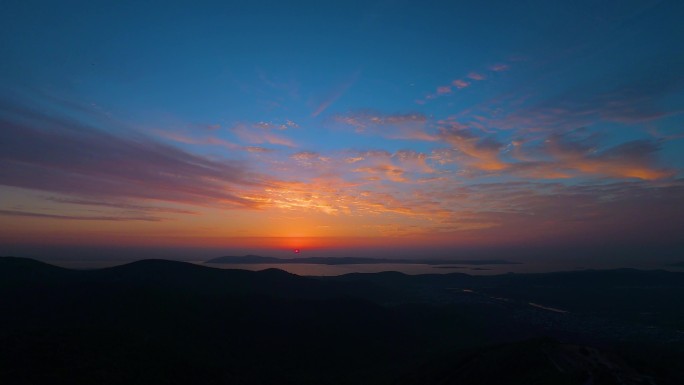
{"x": 393, "y": 173}
{"x": 479, "y": 153}
{"x": 628, "y": 160}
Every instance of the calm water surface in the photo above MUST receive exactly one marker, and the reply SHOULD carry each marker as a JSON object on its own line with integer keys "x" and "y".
{"x": 406, "y": 268}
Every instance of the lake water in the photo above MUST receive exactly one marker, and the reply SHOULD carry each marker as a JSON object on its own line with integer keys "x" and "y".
{"x": 327, "y": 270}
{"x": 406, "y": 268}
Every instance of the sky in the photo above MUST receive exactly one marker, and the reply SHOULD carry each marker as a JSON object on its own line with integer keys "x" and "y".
{"x": 383, "y": 128}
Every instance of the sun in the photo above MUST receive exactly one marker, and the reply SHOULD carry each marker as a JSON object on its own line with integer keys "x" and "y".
{"x": 296, "y": 251}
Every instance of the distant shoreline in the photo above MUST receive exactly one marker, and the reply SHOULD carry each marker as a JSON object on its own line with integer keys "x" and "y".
{"x": 255, "y": 259}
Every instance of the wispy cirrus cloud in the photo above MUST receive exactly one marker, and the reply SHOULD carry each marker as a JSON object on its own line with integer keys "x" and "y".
{"x": 555, "y": 156}
{"x": 570, "y": 157}
{"x": 405, "y": 166}
{"x": 499, "y": 67}
{"x": 581, "y": 213}
{"x": 443, "y": 90}
{"x": 121, "y": 218}
{"x": 203, "y": 140}
{"x": 258, "y": 149}
{"x": 306, "y": 156}
{"x": 54, "y": 153}
{"x": 336, "y": 93}
{"x": 476, "y": 76}
{"x": 636, "y": 100}
{"x": 214, "y": 140}
{"x": 479, "y": 152}
{"x": 335, "y": 197}
{"x": 309, "y": 158}
{"x": 276, "y": 126}
{"x": 461, "y": 83}
{"x": 383, "y": 171}
{"x": 475, "y": 150}
{"x": 518, "y": 212}
{"x": 261, "y": 133}
{"x": 410, "y": 126}
{"x": 91, "y": 167}
{"x": 510, "y": 212}
{"x": 117, "y": 204}
{"x": 414, "y": 161}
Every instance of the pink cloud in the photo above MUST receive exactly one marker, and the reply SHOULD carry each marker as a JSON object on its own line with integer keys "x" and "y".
{"x": 258, "y": 135}
{"x": 306, "y": 156}
{"x": 476, "y": 76}
{"x": 353, "y": 159}
{"x": 499, "y": 67}
{"x": 460, "y": 83}
{"x": 390, "y": 172}
{"x": 123, "y": 218}
{"x": 444, "y": 90}
{"x": 276, "y": 126}
{"x": 480, "y": 153}
{"x": 180, "y": 138}
{"x": 635, "y": 159}
{"x": 257, "y": 149}
{"x": 414, "y": 161}
{"x": 335, "y": 94}
{"x": 397, "y": 126}
{"x": 48, "y": 155}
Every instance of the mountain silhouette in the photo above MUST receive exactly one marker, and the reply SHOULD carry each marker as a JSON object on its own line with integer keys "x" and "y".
{"x": 535, "y": 361}
{"x": 157, "y": 321}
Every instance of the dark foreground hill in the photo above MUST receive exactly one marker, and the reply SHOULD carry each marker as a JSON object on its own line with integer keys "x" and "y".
{"x": 164, "y": 322}
{"x": 535, "y": 361}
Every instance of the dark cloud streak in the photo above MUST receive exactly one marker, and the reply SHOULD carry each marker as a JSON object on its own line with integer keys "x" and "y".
{"x": 119, "y": 205}
{"x": 17, "y": 213}
{"x": 58, "y": 154}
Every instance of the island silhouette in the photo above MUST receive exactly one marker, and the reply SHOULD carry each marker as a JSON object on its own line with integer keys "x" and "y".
{"x": 256, "y": 259}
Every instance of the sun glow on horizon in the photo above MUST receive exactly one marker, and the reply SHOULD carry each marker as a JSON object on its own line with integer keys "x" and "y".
{"x": 462, "y": 142}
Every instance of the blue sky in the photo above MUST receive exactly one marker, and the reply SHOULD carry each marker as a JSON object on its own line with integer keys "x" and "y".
{"x": 463, "y": 124}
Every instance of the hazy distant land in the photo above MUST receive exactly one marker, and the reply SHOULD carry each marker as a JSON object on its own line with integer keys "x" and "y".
{"x": 255, "y": 259}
